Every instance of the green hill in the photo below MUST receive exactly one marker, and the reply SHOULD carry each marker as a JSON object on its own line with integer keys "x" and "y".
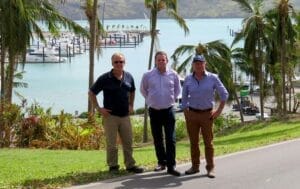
{"x": 130, "y": 9}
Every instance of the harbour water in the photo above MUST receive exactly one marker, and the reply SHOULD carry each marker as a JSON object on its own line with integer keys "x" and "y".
{"x": 64, "y": 86}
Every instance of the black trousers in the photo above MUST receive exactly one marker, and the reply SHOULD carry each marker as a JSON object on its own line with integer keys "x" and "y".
{"x": 164, "y": 136}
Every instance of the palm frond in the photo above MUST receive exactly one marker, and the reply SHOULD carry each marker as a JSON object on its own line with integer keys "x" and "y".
{"x": 180, "y": 21}
{"x": 244, "y": 5}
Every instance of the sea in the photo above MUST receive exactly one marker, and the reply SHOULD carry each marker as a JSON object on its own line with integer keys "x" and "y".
{"x": 64, "y": 86}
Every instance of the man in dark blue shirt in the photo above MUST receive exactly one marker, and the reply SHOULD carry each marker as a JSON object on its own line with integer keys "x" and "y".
{"x": 118, "y": 98}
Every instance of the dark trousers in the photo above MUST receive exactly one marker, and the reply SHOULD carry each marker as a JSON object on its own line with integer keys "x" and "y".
{"x": 164, "y": 121}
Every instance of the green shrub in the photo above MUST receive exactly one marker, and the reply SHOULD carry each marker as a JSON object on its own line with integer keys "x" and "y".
{"x": 11, "y": 117}
{"x": 181, "y": 132}
{"x": 138, "y": 129}
{"x": 225, "y": 122}
{"x": 139, "y": 111}
{"x": 83, "y": 115}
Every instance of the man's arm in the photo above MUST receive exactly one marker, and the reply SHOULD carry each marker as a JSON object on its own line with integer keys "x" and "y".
{"x": 218, "y": 111}
{"x": 131, "y": 101}
{"x": 143, "y": 86}
{"x": 93, "y": 99}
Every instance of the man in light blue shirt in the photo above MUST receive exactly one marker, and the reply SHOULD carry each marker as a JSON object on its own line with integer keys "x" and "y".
{"x": 161, "y": 87}
{"x": 198, "y": 99}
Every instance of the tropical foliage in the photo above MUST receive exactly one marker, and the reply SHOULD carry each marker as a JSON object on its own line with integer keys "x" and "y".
{"x": 255, "y": 41}
{"x": 23, "y": 15}
{"x": 269, "y": 39}
{"x": 270, "y": 53}
{"x": 42, "y": 129}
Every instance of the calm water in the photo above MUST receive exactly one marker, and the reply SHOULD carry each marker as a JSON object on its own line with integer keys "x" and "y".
{"x": 64, "y": 86}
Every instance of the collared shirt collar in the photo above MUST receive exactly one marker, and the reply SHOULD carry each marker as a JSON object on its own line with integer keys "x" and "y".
{"x": 111, "y": 75}
{"x": 167, "y": 70}
{"x": 205, "y": 73}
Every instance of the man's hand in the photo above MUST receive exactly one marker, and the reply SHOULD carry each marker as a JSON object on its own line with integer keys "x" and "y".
{"x": 103, "y": 111}
{"x": 131, "y": 111}
{"x": 215, "y": 114}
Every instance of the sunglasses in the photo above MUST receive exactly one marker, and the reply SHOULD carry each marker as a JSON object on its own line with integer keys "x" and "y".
{"x": 119, "y": 62}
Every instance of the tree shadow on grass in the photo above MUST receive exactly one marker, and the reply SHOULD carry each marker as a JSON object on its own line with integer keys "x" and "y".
{"x": 72, "y": 179}
{"x": 127, "y": 180}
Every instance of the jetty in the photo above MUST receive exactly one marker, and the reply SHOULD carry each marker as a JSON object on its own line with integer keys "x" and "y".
{"x": 67, "y": 45}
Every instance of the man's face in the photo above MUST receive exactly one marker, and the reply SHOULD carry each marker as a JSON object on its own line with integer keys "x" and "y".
{"x": 118, "y": 62}
{"x": 161, "y": 62}
{"x": 199, "y": 67}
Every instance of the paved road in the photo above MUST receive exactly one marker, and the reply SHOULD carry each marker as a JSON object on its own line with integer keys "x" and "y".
{"x": 272, "y": 167}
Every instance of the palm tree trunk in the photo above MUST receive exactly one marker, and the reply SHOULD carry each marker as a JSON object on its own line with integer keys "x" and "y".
{"x": 261, "y": 74}
{"x": 2, "y": 74}
{"x": 92, "y": 52}
{"x": 153, "y": 22}
{"x": 2, "y": 92}
{"x": 239, "y": 105}
{"x": 282, "y": 56}
{"x": 145, "y": 129}
{"x": 290, "y": 90}
{"x": 10, "y": 78}
{"x": 277, "y": 92}
{"x": 261, "y": 94}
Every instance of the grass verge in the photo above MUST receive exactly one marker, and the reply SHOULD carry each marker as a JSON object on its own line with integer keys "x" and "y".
{"x": 40, "y": 168}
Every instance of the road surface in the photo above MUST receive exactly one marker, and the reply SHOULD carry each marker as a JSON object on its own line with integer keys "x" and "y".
{"x": 272, "y": 167}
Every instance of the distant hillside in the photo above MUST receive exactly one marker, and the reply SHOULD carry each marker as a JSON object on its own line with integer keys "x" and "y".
{"x": 130, "y": 9}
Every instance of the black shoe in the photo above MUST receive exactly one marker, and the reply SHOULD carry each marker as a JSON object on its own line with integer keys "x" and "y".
{"x": 160, "y": 167}
{"x": 191, "y": 171}
{"x": 135, "y": 169}
{"x": 114, "y": 168}
{"x": 173, "y": 172}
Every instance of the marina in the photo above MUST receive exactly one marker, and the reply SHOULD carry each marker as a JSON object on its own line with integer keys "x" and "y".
{"x": 68, "y": 45}
{"x": 64, "y": 86}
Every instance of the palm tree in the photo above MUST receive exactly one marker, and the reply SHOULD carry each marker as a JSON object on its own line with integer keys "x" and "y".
{"x": 255, "y": 40}
{"x": 91, "y": 13}
{"x": 285, "y": 35}
{"x": 22, "y": 15}
{"x": 155, "y": 6}
{"x": 96, "y": 29}
{"x": 218, "y": 57}
{"x": 275, "y": 56}
{"x": 18, "y": 21}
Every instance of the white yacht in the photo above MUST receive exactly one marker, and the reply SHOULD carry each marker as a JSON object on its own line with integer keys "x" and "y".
{"x": 47, "y": 58}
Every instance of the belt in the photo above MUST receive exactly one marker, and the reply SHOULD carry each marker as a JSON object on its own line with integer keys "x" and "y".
{"x": 161, "y": 109}
{"x": 200, "y": 111}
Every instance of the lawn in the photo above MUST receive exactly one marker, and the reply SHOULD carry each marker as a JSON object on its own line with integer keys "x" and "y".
{"x": 40, "y": 168}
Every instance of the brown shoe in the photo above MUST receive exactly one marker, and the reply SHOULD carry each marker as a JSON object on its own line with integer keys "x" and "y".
{"x": 211, "y": 174}
{"x": 191, "y": 171}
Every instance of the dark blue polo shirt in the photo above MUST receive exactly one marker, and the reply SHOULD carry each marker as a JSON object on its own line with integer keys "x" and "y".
{"x": 115, "y": 92}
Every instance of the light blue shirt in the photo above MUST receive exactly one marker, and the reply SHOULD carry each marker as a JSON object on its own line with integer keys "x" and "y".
{"x": 160, "y": 89}
{"x": 200, "y": 94}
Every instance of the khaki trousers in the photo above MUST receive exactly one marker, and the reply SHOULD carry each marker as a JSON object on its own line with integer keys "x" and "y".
{"x": 114, "y": 125}
{"x": 200, "y": 123}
